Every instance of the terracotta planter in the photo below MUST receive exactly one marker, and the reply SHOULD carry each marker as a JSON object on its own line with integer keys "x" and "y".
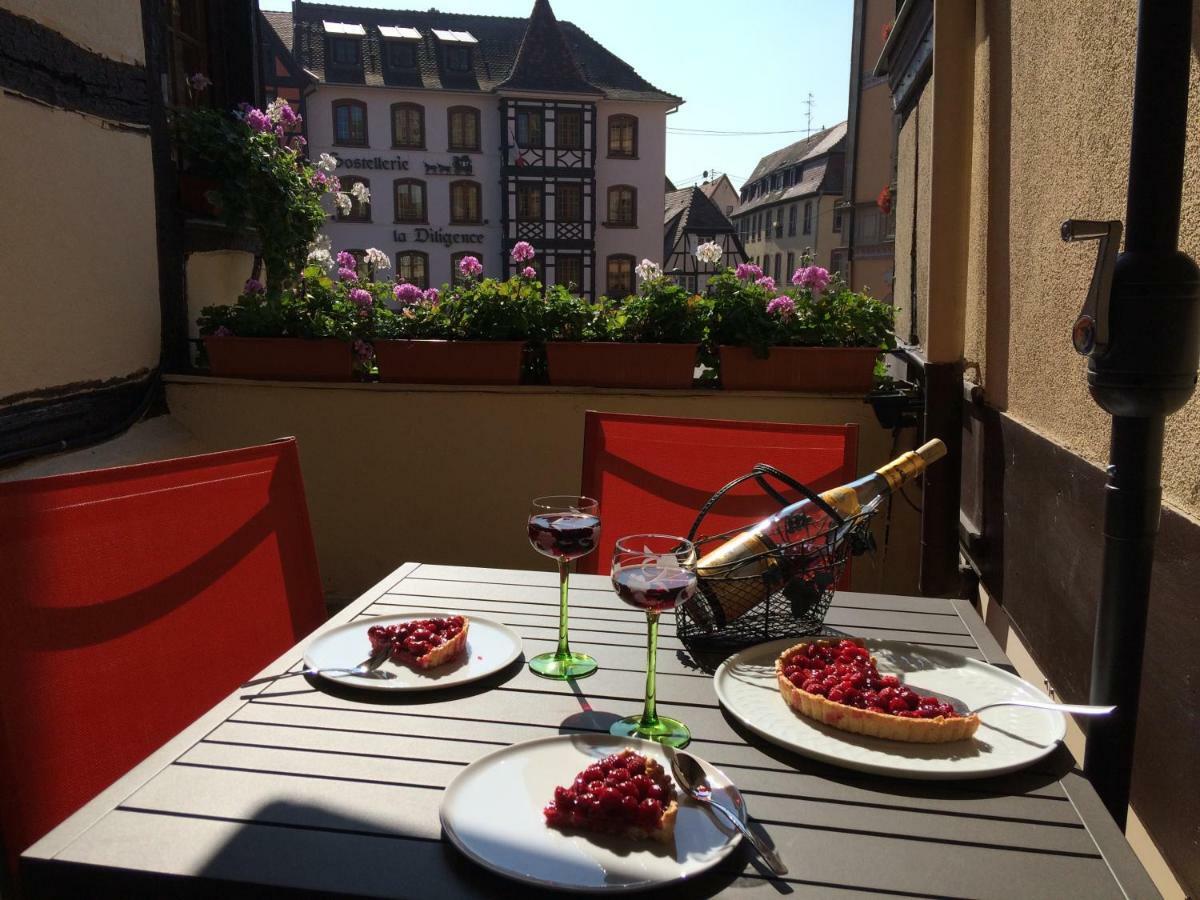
{"x": 449, "y": 362}
{"x": 280, "y": 359}
{"x": 621, "y": 365}
{"x": 193, "y": 194}
{"x": 844, "y": 370}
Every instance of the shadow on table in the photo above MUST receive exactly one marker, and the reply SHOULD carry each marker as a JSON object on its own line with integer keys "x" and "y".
{"x": 311, "y": 851}
{"x": 1037, "y": 777}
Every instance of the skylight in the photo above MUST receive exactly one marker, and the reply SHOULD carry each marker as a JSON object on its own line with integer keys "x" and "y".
{"x": 344, "y": 28}
{"x": 400, "y": 32}
{"x": 455, "y": 37}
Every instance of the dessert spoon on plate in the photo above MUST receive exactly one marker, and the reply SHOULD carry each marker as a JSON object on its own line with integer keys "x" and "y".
{"x": 690, "y": 775}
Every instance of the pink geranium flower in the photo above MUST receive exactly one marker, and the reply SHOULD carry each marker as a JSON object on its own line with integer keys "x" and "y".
{"x": 523, "y": 251}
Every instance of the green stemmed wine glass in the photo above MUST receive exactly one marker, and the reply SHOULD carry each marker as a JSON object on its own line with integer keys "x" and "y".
{"x": 563, "y": 528}
{"x": 654, "y": 573}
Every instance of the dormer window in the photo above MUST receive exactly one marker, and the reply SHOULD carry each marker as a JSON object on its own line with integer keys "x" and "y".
{"x": 344, "y": 50}
{"x": 456, "y": 49}
{"x": 399, "y": 47}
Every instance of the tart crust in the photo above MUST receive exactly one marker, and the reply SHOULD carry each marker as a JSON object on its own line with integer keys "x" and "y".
{"x": 938, "y": 730}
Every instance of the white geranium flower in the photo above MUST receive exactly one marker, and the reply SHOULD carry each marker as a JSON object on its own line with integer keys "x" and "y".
{"x": 343, "y": 203}
{"x": 710, "y": 253}
{"x": 327, "y": 162}
{"x": 360, "y": 192}
{"x": 377, "y": 258}
{"x": 648, "y": 270}
{"x": 320, "y": 257}
{"x": 274, "y": 109}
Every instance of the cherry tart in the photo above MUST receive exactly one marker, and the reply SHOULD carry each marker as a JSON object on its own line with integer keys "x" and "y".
{"x": 425, "y": 643}
{"x": 836, "y": 682}
{"x": 624, "y": 794}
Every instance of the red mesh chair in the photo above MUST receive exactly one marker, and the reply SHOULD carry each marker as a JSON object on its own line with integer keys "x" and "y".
{"x": 132, "y": 600}
{"x": 653, "y": 473}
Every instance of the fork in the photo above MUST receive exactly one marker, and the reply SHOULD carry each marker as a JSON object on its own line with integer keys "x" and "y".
{"x": 1078, "y": 709}
{"x": 368, "y": 668}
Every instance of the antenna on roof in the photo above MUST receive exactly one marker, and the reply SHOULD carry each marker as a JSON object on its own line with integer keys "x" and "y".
{"x": 808, "y": 102}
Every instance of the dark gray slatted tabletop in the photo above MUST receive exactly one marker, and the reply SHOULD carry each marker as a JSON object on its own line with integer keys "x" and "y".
{"x": 314, "y": 788}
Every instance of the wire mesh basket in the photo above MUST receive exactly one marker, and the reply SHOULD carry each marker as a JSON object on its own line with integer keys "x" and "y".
{"x": 759, "y": 590}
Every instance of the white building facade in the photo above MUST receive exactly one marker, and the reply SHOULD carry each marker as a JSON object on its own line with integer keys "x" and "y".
{"x": 476, "y": 132}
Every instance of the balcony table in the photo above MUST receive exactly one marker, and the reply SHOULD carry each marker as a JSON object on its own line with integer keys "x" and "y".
{"x": 309, "y": 790}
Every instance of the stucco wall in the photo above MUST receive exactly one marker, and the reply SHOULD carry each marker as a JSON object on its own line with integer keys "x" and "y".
{"x": 112, "y": 29}
{"x": 394, "y": 473}
{"x": 645, "y": 173}
{"x": 1053, "y": 97}
{"x": 77, "y": 248}
{"x": 215, "y": 278}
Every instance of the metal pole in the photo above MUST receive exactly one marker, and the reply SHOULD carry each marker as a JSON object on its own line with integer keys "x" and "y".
{"x": 1147, "y": 373}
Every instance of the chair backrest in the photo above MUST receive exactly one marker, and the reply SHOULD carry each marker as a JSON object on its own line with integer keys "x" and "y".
{"x": 131, "y": 601}
{"x": 653, "y": 473}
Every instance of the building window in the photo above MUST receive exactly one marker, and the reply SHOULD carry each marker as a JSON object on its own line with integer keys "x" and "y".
{"x": 568, "y": 271}
{"x": 531, "y": 129}
{"x": 400, "y": 55}
{"x": 620, "y": 276}
{"x": 791, "y": 265}
{"x": 359, "y": 212}
{"x": 350, "y": 123}
{"x": 458, "y": 58}
{"x": 187, "y": 25}
{"x": 622, "y": 206}
{"x": 568, "y": 203}
{"x": 778, "y": 266}
{"x": 408, "y": 126}
{"x": 529, "y": 203}
{"x": 463, "y": 128}
{"x": 622, "y": 137}
{"x": 568, "y": 129}
{"x": 808, "y": 217}
{"x": 413, "y": 266}
{"x": 345, "y": 52}
{"x": 465, "y": 203}
{"x": 837, "y": 221}
{"x": 792, "y": 220}
{"x": 779, "y": 223}
{"x": 410, "y": 200}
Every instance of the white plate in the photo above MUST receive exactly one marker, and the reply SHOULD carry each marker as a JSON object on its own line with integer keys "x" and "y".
{"x": 492, "y": 811}
{"x": 1009, "y": 737}
{"x": 490, "y": 647}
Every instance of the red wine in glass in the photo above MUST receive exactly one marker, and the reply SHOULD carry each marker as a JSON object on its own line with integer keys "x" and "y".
{"x": 566, "y": 535}
{"x": 653, "y": 589}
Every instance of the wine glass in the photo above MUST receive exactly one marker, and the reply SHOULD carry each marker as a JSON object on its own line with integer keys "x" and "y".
{"x": 653, "y": 572}
{"x": 564, "y": 528}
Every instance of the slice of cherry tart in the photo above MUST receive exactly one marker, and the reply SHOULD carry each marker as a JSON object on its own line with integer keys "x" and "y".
{"x": 425, "y": 643}
{"x": 836, "y": 682}
{"x": 624, "y": 794}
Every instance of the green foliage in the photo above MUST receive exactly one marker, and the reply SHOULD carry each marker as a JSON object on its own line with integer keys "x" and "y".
{"x": 475, "y": 310}
{"x": 661, "y": 313}
{"x": 834, "y": 317}
{"x": 263, "y": 183}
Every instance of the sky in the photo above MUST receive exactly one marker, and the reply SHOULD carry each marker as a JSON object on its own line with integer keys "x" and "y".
{"x": 747, "y": 66}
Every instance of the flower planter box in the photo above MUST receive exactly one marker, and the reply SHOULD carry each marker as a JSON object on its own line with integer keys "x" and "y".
{"x": 617, "y": 365}
{"x": 449, "y": 362}
{"x": 280, "y": 359}
{"x": 844, "y": 370}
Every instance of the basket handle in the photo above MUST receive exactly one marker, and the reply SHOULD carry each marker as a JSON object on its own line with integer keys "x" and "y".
{"x": 757, "y": 473}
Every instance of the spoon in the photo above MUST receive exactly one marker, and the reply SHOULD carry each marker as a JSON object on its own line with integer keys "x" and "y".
{"x": 368, "y": 668}
{"x": 690, "y": 775}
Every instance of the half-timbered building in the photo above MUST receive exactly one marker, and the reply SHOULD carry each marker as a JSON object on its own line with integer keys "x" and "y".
{"x": 690, "y": 219}
{"x": 474, "y": 132}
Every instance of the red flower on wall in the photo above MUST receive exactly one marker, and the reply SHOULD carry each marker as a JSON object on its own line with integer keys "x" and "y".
{"x": 884, "y": 200}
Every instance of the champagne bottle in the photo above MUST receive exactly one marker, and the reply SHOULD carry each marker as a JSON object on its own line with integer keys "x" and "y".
{"x": 773, "y": 554}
